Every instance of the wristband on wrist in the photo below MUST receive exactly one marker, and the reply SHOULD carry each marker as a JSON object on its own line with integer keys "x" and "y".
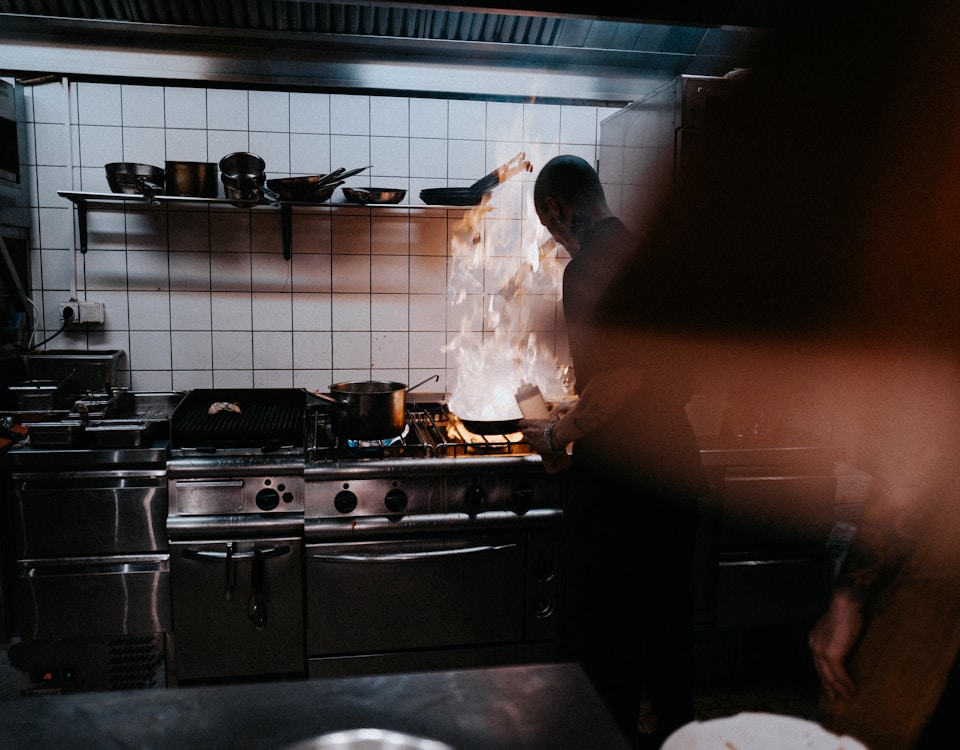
{"x": 548, "y": 438}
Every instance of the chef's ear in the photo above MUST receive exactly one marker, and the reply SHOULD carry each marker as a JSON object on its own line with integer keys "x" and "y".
{"x": 555, "y": 207}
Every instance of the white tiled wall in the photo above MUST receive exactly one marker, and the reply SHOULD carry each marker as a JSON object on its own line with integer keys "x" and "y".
{"x": 200, "y": 295}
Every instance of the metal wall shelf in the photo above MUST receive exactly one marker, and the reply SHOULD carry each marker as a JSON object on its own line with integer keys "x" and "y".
{"x": 83, "y": 200}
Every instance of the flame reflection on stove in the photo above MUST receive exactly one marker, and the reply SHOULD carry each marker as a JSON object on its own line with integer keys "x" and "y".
{"x": 458, "y": 432}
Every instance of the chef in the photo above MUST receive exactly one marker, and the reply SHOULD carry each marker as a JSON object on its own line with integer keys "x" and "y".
{"x": 628, "y": 605}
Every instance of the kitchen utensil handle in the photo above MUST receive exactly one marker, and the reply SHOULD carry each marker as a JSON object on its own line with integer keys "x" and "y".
{"x": 432, "y": 377}
{"x": 212, "y": 555}
{"x": 410, "y": 556}
{"x": 257, "y": 611}
{"x": 231, "y": 574}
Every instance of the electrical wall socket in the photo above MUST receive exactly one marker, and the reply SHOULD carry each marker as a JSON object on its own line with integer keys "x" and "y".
{"x": 81, "y": 311}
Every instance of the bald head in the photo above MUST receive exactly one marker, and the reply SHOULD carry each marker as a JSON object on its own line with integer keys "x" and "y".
{"x": 569, "y": 179}
{"x": 569, "y": 199}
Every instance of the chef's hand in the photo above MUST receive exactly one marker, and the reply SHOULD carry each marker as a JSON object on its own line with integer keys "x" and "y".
{"x": 534, "y": 430}
{"x": 534, "y": 433}
{"x": 831, "y": 641}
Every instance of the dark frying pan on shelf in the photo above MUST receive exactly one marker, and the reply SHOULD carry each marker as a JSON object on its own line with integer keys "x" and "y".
{"x": 132, "y": 178}
{"x": 312, "y": 189}
{"x": 451, "y": 196}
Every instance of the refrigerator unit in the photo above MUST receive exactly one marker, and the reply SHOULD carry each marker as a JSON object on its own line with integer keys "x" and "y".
{"x": 645, "y": 147}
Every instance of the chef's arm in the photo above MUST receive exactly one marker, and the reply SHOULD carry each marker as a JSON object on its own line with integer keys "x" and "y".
{"x": 604, "y": 396}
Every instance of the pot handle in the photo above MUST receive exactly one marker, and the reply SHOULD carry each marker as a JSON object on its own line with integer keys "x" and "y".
{"x": 231, "y": 585}
{"x": 331, "y": 399}
{"x": 266, "y": 196}
{"x": 256, "y": 607}
{"x": 432, "y": 377}
{"x": 149, "y": 190}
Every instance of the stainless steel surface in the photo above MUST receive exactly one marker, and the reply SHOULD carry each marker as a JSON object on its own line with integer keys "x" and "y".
{"x": 609, "y": 53}
{"x": 235, "y": 524}
{"x": 65, "y": 598}
{"x": 461, "y": 537}
{"x": 237, "y": 608}
{"x": 79, "y": 370}
{"x": 472, "y": 592}
{"x": 91, "y": 571}
{"x": 71, "y": 513}
{"x": 511, "y": 708}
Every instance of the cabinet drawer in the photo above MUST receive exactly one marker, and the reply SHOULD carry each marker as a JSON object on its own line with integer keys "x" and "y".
{"x": 776, "y": 511}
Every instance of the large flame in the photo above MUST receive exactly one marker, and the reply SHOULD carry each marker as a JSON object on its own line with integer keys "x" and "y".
{"x": 501, "y": 299}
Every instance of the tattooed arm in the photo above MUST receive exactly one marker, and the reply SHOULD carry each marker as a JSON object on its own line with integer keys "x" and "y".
{"x": 603, "y": 397}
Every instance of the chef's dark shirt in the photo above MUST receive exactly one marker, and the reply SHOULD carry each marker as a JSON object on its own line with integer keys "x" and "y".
{"x": 651, "y": 437}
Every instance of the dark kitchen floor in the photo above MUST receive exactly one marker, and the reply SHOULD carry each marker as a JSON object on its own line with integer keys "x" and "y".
{"x": 764, "y": 670}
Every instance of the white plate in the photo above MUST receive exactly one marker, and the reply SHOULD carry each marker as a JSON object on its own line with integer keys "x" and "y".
{"x": 758, "y": 731}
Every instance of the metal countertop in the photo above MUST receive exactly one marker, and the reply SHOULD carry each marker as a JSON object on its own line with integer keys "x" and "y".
{"x": 539, "y": 707}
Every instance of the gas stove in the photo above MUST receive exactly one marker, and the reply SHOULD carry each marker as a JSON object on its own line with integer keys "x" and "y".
{"x": 430, "y": 431}
{"x": 436, "y": 475}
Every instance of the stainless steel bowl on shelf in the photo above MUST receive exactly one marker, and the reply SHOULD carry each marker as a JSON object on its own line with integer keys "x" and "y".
{"x": 373, "y": 195}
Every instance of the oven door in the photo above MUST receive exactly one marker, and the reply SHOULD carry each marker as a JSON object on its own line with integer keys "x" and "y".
{"x": 237, "y": 608}
{"x": 390, "y": 595}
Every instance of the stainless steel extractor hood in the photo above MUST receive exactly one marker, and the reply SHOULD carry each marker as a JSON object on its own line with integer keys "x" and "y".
{"x": 525, "y": 51}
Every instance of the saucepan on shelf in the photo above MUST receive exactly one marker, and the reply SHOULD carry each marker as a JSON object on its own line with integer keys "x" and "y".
{"x": 243, "y": 177}
{"x": 191, "y": 179}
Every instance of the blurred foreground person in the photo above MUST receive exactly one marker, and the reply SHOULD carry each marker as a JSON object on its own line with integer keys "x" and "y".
{"x": 631, "y": 524}
{"x": 818, "y": 247}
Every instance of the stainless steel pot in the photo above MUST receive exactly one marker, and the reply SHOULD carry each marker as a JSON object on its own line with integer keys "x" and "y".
{"x": 194, "y": 179}
{"x": 243, "y": 177}
{"x": 243, "y": 165}
{"x": 369, "y": 409}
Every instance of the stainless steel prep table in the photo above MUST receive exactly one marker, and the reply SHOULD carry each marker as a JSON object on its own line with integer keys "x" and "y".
{"x": 508, "y": 708}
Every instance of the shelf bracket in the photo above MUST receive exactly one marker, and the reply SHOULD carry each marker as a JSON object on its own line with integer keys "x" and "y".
{"x": 82, "y": 225}
{"x": 286, "y": 228}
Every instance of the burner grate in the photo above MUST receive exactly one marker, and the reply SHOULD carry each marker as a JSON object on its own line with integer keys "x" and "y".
{"x": 431, "y": 431}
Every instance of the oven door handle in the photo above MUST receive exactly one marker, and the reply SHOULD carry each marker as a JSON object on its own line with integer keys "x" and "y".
{"x": 409, "y": 556}
{"x": 230, "y": 555}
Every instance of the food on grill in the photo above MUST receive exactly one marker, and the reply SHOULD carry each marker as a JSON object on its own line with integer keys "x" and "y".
{"x": 218, "y": 406}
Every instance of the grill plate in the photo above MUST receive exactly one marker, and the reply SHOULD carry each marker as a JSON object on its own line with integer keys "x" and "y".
{"x": 268, "y": 417}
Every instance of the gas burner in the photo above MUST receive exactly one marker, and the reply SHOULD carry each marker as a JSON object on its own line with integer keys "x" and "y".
{"x": 382, "y": 443}
{"x": 430, "y": 431}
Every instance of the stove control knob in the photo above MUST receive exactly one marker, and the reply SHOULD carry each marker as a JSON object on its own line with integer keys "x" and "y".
{"x": 396, "y": 500}
{"x": 475, "y": 496}
{"x": 345, "y": 501}
{"x": 268, "y": 499}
